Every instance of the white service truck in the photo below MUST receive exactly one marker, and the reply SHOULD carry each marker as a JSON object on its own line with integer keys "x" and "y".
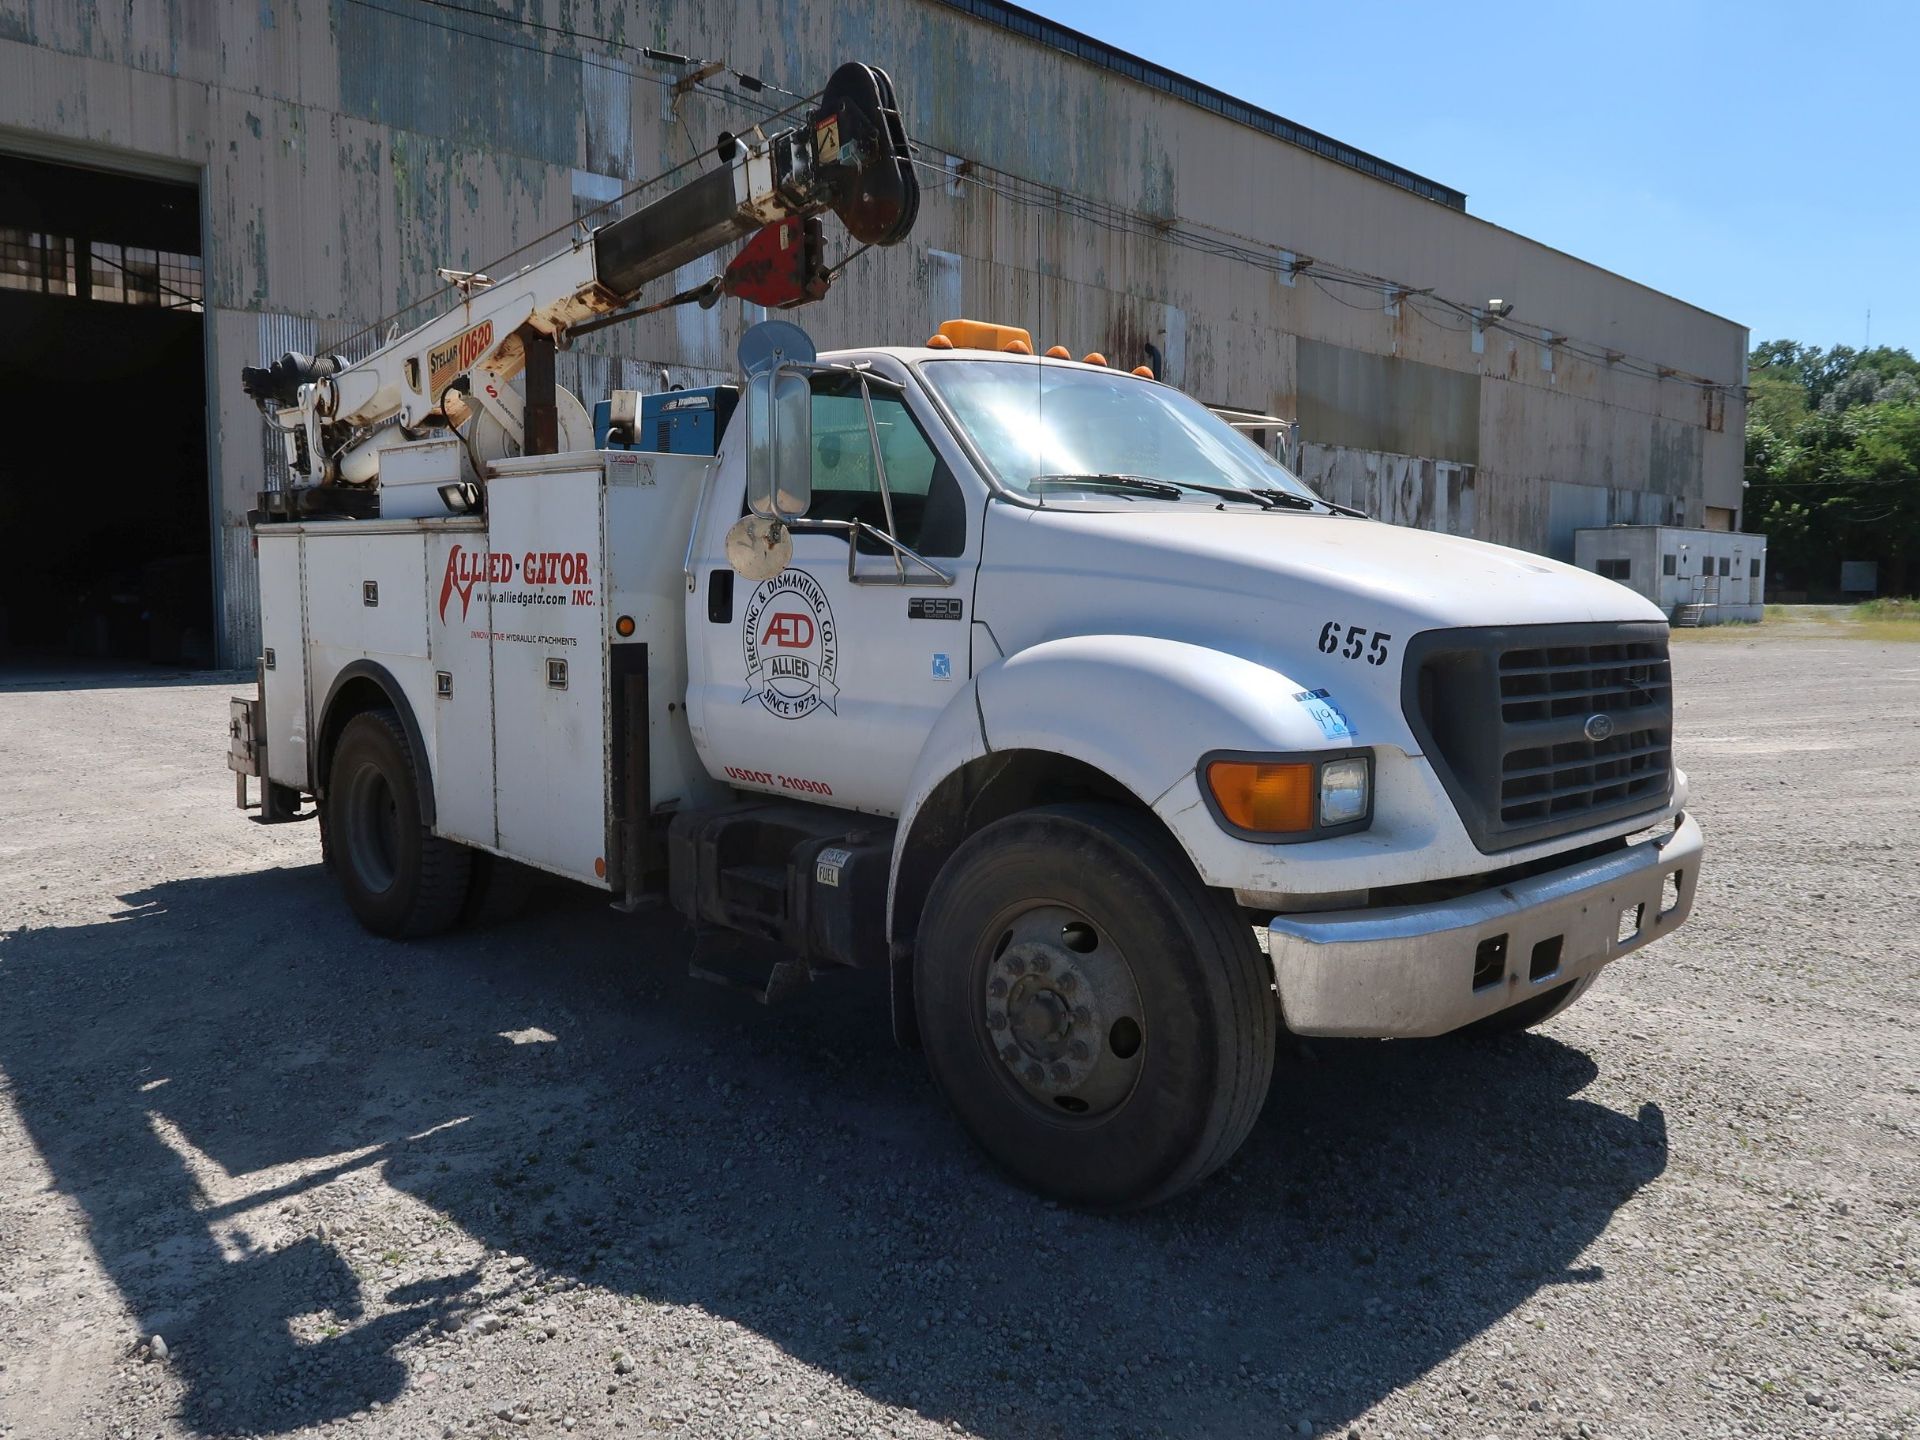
{"x": 1025, "y": 681}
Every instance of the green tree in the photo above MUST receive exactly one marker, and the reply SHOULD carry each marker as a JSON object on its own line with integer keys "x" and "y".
{"x": 1833, "y": 461}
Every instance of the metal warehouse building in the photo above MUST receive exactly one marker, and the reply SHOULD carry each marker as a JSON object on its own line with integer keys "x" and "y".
{"x": 189, "y": 185}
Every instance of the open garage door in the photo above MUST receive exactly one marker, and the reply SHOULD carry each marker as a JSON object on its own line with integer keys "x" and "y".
{"x": 103, "y": 477}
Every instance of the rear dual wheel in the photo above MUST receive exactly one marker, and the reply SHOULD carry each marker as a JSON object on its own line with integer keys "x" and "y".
{"x": 399, "y": 878}
{"x": 1101, "y": 1023}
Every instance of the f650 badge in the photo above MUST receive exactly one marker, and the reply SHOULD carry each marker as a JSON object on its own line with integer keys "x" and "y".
{"x": 792, "y": 650}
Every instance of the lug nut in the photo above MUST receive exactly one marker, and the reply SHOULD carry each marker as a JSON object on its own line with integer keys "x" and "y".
{"x": 996, "y": 1021}
{"x": 1016, "y": 965}
{"x": 1078, "y": 1049}
{"x": 1041, "y": 964}
{"x": 1035, "y": 1074}
{"x": 1060, "y": 1071}
{"x": 997, "y": 989}
{"x": 1067, "y": 980}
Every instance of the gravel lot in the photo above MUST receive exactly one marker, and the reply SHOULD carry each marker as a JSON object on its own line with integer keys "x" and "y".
{"x": 532, "y": 1181}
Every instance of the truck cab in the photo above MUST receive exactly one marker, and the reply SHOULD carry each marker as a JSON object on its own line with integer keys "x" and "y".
{"x": 1024, "y": 682}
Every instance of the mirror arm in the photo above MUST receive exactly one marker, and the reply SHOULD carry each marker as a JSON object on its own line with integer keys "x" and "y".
{"x": 900, "y": 552}
{"x": 880, "y": 476}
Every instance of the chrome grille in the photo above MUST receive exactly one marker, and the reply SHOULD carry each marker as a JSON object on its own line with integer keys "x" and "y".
{"x": 1539, "y": 731}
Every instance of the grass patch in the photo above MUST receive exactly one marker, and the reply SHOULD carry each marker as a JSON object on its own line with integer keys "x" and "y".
{"x": 1900, "y": 611}
{"x": 1877, "y": 620}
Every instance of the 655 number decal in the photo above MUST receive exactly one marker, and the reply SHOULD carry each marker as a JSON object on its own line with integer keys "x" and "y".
{"x": 1353, "y": 641}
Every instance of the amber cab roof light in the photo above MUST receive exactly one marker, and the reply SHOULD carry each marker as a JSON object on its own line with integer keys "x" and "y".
{"x": 983, "y": 335}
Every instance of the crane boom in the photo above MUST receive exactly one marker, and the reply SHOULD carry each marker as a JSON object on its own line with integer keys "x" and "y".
{"x": 849, "y": 155}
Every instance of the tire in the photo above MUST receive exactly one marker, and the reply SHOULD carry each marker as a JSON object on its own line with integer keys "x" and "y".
{"x": 400, "y": 879}
{"x": 1099, "y": 1021}
{"x": 1529, "y": 1013}
{"x": 497, "y": 891}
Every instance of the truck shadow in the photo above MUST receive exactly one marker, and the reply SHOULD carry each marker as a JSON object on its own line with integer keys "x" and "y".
{"x": 196, "y": 1069}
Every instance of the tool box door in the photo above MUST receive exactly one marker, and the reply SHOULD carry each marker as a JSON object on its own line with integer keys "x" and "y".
{"x": 549, "y": 663}
{"x": 460, "y": 638}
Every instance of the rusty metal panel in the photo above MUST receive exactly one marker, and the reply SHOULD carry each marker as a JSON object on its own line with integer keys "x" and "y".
{"x": 278, "y": 335}
{"x": 238, "y": 620}
{"x": 1377, "y": 402}
{"x": 454, "y": 74}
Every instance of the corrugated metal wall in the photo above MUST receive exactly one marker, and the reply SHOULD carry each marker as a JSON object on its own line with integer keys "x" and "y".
{"x": 348, "y": 147}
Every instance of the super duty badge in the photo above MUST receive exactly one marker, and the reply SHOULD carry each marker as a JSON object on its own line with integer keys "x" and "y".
{"x": 922, "y": 607}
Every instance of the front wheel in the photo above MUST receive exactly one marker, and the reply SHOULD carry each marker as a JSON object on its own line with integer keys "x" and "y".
{"x": 399, "y": 878}
{"x": 1101, "y": 1022}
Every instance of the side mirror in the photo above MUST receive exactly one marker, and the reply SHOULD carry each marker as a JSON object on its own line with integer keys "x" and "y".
{"x": 779, "y": 444}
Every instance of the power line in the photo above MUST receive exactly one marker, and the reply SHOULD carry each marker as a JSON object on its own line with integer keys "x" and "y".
{"x": 1282, "y": 261}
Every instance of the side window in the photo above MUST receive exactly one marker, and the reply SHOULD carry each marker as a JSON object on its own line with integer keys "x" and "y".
{"x": 929, "y": 511}
{"x": 1666, "y": 564}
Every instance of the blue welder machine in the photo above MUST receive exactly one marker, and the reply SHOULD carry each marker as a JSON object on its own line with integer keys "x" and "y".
{"x": 672, "y": 422}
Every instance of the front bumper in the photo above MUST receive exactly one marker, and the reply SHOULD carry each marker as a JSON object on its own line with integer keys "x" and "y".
{"x": 1411, "y": 969}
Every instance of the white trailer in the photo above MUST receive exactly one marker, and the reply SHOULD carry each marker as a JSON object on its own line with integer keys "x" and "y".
{"x": 1030, "y": 685}
{"x": 1696, "y": 577}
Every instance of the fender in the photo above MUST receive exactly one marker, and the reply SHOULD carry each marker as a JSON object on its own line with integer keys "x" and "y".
{"x": 1084, "y": 697}
{"x": 1144, "y": 709}
{"x": 383, "y": 679}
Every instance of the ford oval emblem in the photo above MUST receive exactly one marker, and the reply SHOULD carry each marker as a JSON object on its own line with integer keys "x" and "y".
{"x": 1599, "y": 727}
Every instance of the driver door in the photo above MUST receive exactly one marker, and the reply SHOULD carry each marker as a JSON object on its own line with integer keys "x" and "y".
{"x": 816, "y": 685}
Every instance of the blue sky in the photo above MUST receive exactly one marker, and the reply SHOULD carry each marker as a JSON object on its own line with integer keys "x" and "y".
{"x": 1758, "y": 160}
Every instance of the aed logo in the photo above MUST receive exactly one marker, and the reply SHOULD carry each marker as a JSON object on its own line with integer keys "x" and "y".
{"x": 789, "y": 631}
{"x": 792, "y": 652}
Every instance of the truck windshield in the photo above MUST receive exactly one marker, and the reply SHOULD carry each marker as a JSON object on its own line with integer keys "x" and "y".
{"x": 1040, "y": 426}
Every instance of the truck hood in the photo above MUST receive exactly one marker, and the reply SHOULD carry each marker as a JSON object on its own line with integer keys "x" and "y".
{"x": 1425, "y": 579}
{"x": 1285, "y": 590}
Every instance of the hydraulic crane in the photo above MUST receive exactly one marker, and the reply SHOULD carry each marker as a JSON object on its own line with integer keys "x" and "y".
{"x": 849, "y": 155}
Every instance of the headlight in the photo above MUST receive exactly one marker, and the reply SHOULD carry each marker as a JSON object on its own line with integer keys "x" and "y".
{"x": 1285, "y": 798}
{"x": 1346, "y": 793}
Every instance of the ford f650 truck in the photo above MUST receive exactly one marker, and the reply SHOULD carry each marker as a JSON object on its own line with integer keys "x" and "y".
{"x": 1025, "y": 681}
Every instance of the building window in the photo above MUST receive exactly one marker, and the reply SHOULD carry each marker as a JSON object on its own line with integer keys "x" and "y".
{"x": 1668, "y": 564}
{"x": 29, "y": 260}
{"x": 1615, "y": 569}
{"x": 1726, "y": 565}
{"x": 151, "y": 277}
{"x": 1753, "y": 569}
{"x": 116, "y": 274}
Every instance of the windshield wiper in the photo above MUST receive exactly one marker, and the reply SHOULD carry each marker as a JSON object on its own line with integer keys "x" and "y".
{"x": 1307, "y": 502}
{"x": 1124, "y": 484}
{"x": 1268, "y": 499}
{"x": 1148, "y": 485}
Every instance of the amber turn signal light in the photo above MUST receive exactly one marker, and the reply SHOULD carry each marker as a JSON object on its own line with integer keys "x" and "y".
{"x": 623, "y": 627}
{"x": 1266, "y": 798}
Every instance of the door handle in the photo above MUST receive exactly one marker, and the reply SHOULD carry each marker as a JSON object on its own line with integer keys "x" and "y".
{"x": 720, "y": 596}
